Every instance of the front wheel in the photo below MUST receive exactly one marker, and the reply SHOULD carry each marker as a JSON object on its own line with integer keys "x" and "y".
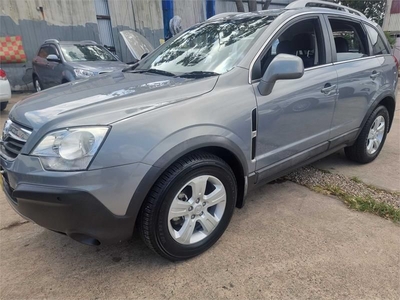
{"x": 372, "y": 137}
{"x": 189, "y": 207}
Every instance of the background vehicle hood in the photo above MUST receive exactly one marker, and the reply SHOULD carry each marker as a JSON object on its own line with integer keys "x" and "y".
{"x": 105, "y": 99}
{"x": 99, "y": 67}
{"x": 136, "y": 43}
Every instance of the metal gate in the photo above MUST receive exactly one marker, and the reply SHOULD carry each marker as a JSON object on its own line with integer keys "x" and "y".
{"x": 104, "y": 24}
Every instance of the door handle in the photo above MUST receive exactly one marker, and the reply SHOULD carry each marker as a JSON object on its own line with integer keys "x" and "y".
{"x": 374, "y": 75}
{"x": 328, "y": 88}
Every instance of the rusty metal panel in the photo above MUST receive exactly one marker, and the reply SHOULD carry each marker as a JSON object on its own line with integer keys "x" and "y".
{"x": 392, "y": 20}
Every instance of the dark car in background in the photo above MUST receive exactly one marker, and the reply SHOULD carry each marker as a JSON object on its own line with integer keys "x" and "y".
{"x": 59, "y": 62}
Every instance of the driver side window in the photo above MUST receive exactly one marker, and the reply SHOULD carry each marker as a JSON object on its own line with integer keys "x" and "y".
{"x": 303, "y": 39}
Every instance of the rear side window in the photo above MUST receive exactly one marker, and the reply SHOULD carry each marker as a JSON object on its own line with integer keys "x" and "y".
{"x": 350, "y": 39}
{"x": 378, "y": 45}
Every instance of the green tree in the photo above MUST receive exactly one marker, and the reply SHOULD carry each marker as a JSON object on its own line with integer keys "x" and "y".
{"x": 372, "y": 9}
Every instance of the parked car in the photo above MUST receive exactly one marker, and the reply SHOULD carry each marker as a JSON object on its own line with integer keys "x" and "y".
{"x": 61, "y": 62}
{"x": 5, "y": 90}
{"x": 173, "y": 144}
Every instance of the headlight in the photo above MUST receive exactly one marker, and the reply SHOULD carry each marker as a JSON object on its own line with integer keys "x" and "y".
{"x": 70, "y": 149}
{"x": 81, "y": 73}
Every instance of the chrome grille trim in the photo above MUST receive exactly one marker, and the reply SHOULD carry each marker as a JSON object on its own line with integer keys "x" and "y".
{"x": 13, "y": 139}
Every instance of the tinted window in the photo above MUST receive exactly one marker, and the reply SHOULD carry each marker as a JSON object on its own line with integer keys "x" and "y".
{"x": 51, "y": 50}
{"x": 350, "y": 40}
{"x": 86, "y": 53}
{"x": 378, "y": 45}
{"x": 43, "y": 52}
{"x": 303, "y": 39}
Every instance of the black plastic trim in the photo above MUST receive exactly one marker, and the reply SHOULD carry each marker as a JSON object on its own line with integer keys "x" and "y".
{"x": 68, "y": 211}
{"x": 173, "y": 155}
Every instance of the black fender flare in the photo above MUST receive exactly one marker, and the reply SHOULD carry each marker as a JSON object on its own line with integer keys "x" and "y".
{"x": 168, "y": 158}
{"x": 374, "y": 105}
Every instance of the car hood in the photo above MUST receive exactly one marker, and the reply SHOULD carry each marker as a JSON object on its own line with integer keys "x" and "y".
{"x": 105, "y": 99}
{"x": 99, "y": 67}
{"x": 136, "y": 43}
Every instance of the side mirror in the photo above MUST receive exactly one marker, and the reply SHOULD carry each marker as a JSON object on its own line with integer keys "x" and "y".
{"x": 53, "y": 58}
{"x": 283, "y": 66}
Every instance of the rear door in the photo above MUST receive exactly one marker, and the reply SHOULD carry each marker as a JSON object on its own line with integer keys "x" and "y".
{"x": 359, "y": 76}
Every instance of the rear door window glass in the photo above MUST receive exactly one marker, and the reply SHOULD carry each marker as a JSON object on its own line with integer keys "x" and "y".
{"x": 350, "y": 39}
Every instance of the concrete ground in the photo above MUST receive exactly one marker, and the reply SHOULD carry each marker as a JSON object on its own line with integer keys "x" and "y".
{"x": 384, "y": 172}
{"x": 287, "y": 243}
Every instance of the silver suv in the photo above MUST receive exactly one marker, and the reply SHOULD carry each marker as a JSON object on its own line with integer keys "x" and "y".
{"x": 173, "y": 144}
{"x": 61, "y": 62}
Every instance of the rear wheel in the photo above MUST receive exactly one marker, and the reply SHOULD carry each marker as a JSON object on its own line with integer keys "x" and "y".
{"x": 3, "y": 106}
{"x": 36, "y": 84}
{"x": 372, "y": 137}
{"x": 189, "y": 207}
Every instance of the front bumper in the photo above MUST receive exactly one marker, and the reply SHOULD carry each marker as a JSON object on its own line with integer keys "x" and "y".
{"x": 75, "y": 213}
{"x": 89, "y": 206}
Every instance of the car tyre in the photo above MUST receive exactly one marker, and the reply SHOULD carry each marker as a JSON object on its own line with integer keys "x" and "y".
{"x": 371, "y": 138}
{"x": 174, "y": 194}
{"x": 37, "y": 84}
{"x": 3, "y": 106}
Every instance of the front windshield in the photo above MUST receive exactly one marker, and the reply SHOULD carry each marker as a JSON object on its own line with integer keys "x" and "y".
{"x": 86, "y": 53}
{"x": 214, "y": 47}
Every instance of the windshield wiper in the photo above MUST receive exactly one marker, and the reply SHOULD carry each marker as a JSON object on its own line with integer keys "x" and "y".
{"x": 154, "y": 71}
{"x": 199, "y": 74}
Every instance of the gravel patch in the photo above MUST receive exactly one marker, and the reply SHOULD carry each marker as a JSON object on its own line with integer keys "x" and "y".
{"x": 316, "y": 179}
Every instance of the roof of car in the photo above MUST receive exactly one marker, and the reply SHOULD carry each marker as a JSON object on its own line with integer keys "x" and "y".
{"x": 291, "y": 11}
{"x": 86, "y": 42}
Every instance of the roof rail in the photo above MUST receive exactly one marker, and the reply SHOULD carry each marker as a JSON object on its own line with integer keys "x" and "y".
{"x": 323, "y": 4}
{"x": 52, "y": 41}
{"x": 222, "y": 15}
{"x": 88, "y": 42}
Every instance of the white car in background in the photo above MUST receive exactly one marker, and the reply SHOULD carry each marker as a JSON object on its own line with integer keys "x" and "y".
{"x": 5, "y": 90}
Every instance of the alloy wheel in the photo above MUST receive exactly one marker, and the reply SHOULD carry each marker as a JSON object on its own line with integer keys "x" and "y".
{"x": 375, "y": 135}
{"x": 197, "y": 209}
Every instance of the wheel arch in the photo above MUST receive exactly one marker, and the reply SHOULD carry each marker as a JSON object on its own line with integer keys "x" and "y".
{"x": 219, "y": 146}
{"x": 390, "y": 105}
{"x": 387, "y": 100}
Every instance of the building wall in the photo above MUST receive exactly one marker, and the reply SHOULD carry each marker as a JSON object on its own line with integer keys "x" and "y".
{"x": 61, "y": 19}
{"x": 76, "y": 20}
{"x": 392, "y": 17}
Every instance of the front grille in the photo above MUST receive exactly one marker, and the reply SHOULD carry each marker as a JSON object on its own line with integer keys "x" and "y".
{"x": 14, "y": 138}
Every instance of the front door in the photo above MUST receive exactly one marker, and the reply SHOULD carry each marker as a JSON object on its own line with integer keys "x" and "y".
{"x": 54, "y": 69}
{"x": 294, "y": 121}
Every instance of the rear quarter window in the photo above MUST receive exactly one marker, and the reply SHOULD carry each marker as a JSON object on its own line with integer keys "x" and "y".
{"x": 378, "y": 44}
